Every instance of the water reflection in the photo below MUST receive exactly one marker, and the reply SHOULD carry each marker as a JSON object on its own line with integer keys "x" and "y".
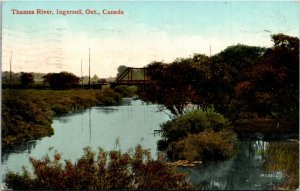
{"x": 255, "y": 166}
{"x": 64, "y": 118}
{"x": 243, "y": 172}
{"x": 106, "y": 110}
{"x": 24, "y": 147}
{"x": 90, "y": 126}
{"x": 130, "y": 124}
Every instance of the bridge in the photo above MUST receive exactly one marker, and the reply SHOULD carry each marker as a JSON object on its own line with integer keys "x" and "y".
{"x": 132, "y": 76}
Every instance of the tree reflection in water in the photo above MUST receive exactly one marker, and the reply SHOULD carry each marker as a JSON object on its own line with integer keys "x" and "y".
{"x": 244, "y": 171}
{"x": 24, "y": 147}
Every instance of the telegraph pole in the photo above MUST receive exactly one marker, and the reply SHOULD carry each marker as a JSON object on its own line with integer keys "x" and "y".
{"x": 89, "y": 68}
{"x": 81, "y": 75}
{"x": 10, "y": 74}
{"x": 209, "y": 50}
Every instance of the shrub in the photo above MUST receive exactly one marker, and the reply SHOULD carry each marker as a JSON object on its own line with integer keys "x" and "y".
{"x": 126, "y": 91}
{"x": 102, "y": 171}
{"x": 24, "y": 118}
{"x": 192, "y": 123}
{"x": 108, "y": 97}
{"x": 61, "y": 80}
{"x": 26, "y": 79}
{"x": 208, "y": 145}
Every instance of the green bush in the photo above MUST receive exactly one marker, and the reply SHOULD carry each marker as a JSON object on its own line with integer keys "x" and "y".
{"x": 108, "y": 97}
{"x": 126, "y": 91}
{"x": 207, "y": 145}
{"x": 24, "y": 118}
{"x": 192, "y": 123}
{"x": 101, "y": 171}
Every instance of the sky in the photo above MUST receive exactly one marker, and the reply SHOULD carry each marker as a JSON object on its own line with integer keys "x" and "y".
{"x": 147, "y": 31}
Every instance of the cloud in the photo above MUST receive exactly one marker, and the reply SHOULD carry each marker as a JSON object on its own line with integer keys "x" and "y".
{"x": 135, "y": 46}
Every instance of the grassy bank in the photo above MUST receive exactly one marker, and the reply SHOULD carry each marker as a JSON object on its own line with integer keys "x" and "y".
{"x": 27, "y": 114}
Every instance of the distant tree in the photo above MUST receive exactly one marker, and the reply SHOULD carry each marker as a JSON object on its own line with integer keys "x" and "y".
{"x": 26, "y": 79}
{"x": 61, "y": 80}
{"x": 95, "y": 77}
{"x": 12, "y": 77}
{"x": 121, "y": 69}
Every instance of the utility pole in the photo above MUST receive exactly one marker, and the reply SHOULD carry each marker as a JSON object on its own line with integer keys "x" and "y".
{"x": 89, "y": 68}
{"x": 209, "y": 50}
{"x": 10, "y": 74}
{"x": 81, "y": 74}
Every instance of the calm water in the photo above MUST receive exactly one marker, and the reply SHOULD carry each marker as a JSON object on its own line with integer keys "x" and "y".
{"x": 242, "y": 172}
{"x": 131, "y": 124}
{"x": 134, "y": 123}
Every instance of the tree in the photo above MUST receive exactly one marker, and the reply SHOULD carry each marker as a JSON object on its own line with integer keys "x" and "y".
{"x": 172, "y": 85}
{"x": 61, "y": 80}
{"x": 121, "y": 69}
{"x": 274, "y": 85}
{"x": 26, "y": 79}
{"x": 95, "y": 77}
{"x": 201, "y": 81}
{"x": 229, "y": 68}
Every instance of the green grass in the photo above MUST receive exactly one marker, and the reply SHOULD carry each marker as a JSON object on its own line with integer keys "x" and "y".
{"x": 27, "y": 114}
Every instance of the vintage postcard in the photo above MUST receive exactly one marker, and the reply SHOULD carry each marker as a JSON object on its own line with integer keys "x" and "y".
{"x": 156, "y": 95}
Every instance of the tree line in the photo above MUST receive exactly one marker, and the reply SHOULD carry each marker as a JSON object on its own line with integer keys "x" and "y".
{"x": 60, "y": 80}
{"x": 240, "y": 82}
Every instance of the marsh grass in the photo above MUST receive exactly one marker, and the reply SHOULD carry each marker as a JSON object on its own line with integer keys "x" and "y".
{"x": 284, "y": 157}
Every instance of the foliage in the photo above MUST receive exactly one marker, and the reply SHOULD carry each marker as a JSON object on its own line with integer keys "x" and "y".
{"x": 121, "y": 69}
{"x": 61, "y": 80}
{"x": 229, "y": 68}
{"x": 284, "y": 157}
{"x": 126, "y": 91}
{"x": 207, "y": 145}
{"x": 172, "y": 84}
{"x": 8, "y": 77}
{"x": 193, "y": 122}
{"x": 26, "y": 79}
{"x": 135, "y": 74}
{"x": 201, "y": 80}
{"x": 240, "y": 82}
{"x": 27, "y": 114}
{"x": 24, "y": 117}
{"x": 101, "y": 171}
{"x": 273, "y": 88}
{"x": 108, "y": 97}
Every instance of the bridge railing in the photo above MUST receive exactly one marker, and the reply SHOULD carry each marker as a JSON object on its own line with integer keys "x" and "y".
{"x": 128, "y": 77}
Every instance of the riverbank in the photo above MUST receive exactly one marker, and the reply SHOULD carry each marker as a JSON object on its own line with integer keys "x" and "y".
{"x": 267, "y": 129}
{"x": 28, "y": 114}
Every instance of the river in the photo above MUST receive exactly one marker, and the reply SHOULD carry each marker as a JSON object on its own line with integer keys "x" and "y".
{"x": 123, "y": 127}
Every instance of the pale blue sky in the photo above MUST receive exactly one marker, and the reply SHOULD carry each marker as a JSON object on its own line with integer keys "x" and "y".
{"x": 148, "y": 31}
